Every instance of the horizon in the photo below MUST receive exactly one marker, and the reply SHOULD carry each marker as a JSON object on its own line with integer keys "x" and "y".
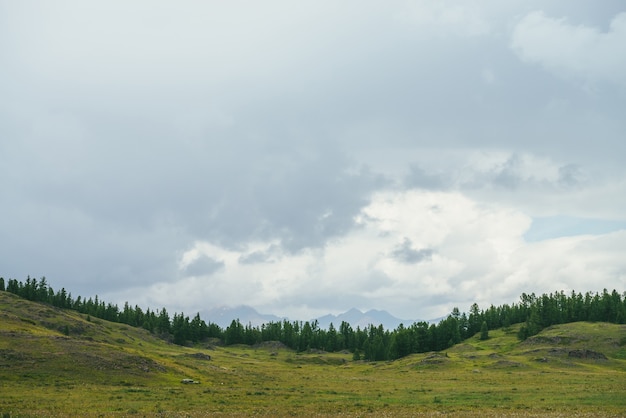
{"x": 256, "y": 319}
{"x": 301, "y": 158}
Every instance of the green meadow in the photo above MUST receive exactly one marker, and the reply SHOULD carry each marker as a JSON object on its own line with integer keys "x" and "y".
{"x": 56, "y": 362}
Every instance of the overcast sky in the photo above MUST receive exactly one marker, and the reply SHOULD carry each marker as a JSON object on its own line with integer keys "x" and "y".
{"x": 309, "y": 157}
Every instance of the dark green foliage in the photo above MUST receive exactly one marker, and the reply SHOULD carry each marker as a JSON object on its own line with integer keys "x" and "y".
{"x": 506, "y": 322}
{"x": 484, "y": 331}
{"x": 180, "y": 330}
{"x": 372, "y": 343}
{"x": 234, "y": 333}
{"x": 401, "y": 343}
{"x": 1, "y": 284}
{"x": 331, "y": 339}
{"x": 532, "y": 326}
{"x": 163, "y": 325}
{"x": 306, "y": 337}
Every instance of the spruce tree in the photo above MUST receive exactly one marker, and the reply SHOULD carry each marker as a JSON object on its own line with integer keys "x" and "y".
{"x": 484, "y": 331}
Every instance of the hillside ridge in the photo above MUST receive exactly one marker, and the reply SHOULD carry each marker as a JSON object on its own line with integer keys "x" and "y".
{"x": 370, "y": 343}
{"x": 58, "y": 362}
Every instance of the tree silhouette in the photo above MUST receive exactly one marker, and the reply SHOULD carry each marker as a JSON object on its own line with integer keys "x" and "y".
{"x": 484, "y": 331}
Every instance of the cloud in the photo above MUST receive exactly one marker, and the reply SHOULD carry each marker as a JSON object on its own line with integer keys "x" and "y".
{"x": 573, "y": 51}
{"x": 405, "y": 253}
{"x": 420, "y": 178}
{"x": 551, "y": 227}
{"x": 481, "y": 256}
{"x": 524, "y": 169}
{"x": 203, "y": 266}
{"x": 303, "y": 158}
{"x": 590, "y": 261}
{"x": 485, "y": 169}
{"x": 261, "y": 256}
{"x": 446, "y": 18}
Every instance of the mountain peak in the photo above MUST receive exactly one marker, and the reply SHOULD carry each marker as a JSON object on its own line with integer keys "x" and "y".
{"x": 354, "y": 311}
{"x": 357, "y": 318}
{"x": 224, "y": 315}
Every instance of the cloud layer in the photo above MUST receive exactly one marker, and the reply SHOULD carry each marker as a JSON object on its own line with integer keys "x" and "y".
{"x": 573, "y": 51}
{"x": 309, "y": 158}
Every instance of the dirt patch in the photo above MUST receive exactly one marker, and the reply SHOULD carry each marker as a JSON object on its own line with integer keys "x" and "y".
{"x": 463, "y": 348}
{"x": 199, "y": 356}
{"x": 322, "y": 360}
{"x": 272, "y": 345}
{"x": 557, "y": 340}
{"x": 587, "y": 354}
{"x": 8, "y": 357}
{"x": 500, "y": 364}
{"x": 434, "y": 359}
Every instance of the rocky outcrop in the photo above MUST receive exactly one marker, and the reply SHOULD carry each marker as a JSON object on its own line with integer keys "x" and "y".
{"x": 586, "y": 354}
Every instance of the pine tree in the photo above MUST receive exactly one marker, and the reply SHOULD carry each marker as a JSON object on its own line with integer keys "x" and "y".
{"x": 163, "y": 322}
{"x": 484, "y": 331}
{"x": 506, "y": 322}
{"x": 180, "y": 328}
{"x": 234, "y": 333}
{"x": 331, "y": 338}
{"x": 42, "y": 290}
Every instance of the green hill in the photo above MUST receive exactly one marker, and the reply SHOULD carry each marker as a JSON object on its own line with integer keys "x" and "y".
{"x": 56, "y": 362}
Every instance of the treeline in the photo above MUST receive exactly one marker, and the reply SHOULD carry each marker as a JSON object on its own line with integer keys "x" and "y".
{"x": 369, "y": 343}
{"x": 179, "y": 328}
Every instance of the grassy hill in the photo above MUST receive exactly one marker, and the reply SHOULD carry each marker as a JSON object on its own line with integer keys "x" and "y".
{"x": 55, "y": 362}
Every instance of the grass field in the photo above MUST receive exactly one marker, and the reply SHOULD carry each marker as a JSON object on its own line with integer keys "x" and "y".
{"x": 59, "y": 363}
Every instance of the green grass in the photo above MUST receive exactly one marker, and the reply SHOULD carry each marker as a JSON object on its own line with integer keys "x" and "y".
{"x": 107, "y": 369}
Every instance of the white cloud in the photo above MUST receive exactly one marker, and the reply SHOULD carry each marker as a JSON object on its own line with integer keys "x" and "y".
{"x": 573, "y": 51}
{"x": 581, "y": 263}
{"x": 478, "y": 254}
{"x": 444, "y": 18}
{"x": 261, "y": 154}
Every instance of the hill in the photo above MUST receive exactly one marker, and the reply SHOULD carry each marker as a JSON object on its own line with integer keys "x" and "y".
{"x": 55, "y": 362}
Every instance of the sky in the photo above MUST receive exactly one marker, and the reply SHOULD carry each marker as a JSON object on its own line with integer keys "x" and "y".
{"x": 305, "y": 158}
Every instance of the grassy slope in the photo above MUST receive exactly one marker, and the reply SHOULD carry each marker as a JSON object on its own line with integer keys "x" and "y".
{"x": 109, "y": 369}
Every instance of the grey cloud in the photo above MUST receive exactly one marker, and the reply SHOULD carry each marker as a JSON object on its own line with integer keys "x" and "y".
{"x": 405, "y": 253}
{"x": 419, "y": 178}
{"x": 126, "y": 137}
{"x": 256, "y": 257}
{"x": 204, "y": 266}
{"x": 359, "y": 292}
{"x": 572, "y": 50}
{"x": 87, "y": 256}
{"x": 507, "y": 175}
{"x": 570, "y": 175}
{"x": 515, "y": 174}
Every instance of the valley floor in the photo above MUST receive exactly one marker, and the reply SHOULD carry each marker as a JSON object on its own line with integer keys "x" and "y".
{"x": 109, "y": 369}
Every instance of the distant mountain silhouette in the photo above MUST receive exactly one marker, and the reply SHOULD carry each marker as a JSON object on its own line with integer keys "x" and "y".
{"x": 356, "y": 318}
{"x": 224, "y": 315}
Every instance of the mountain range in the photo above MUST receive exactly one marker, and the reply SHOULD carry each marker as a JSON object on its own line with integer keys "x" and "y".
{"x": 224, "y": 315}
{"x": 355, "y": 318}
